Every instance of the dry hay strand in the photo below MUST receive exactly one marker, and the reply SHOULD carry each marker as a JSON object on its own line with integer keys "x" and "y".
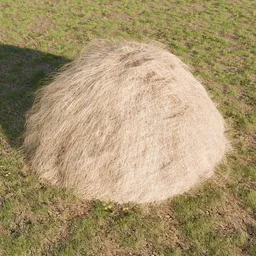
{"x": 125, "y": 121}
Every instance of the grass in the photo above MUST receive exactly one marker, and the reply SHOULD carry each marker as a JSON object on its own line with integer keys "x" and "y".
{"x": 217, "y": 39}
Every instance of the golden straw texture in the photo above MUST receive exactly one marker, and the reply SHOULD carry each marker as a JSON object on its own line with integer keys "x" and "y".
{"x": 125, "y": 121}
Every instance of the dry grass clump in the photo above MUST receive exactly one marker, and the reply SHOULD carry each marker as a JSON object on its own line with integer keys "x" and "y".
{"x": 125, "y": 121}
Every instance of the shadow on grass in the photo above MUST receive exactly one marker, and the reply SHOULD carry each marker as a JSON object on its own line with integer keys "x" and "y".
{"x": 22, "y": 72}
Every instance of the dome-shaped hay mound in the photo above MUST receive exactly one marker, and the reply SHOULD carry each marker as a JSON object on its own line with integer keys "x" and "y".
{"x": 125, "y": 121}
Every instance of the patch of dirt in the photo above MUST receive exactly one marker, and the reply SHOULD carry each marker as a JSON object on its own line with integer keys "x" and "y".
{"x": 42, "y": 25}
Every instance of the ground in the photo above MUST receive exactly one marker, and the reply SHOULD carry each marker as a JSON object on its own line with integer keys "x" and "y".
{"x": 217, "y": 40}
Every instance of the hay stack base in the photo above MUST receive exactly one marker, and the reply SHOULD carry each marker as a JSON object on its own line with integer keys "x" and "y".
{"x": 125, "y": 121}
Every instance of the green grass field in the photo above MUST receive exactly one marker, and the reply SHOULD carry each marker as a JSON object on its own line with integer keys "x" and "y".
{"x": 217, "y": 40}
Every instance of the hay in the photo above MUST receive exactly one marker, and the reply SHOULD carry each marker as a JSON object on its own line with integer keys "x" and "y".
{"x": 125, "y": 121}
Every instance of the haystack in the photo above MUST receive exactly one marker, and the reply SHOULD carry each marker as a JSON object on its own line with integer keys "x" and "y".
{"x": 125, "y": 121}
